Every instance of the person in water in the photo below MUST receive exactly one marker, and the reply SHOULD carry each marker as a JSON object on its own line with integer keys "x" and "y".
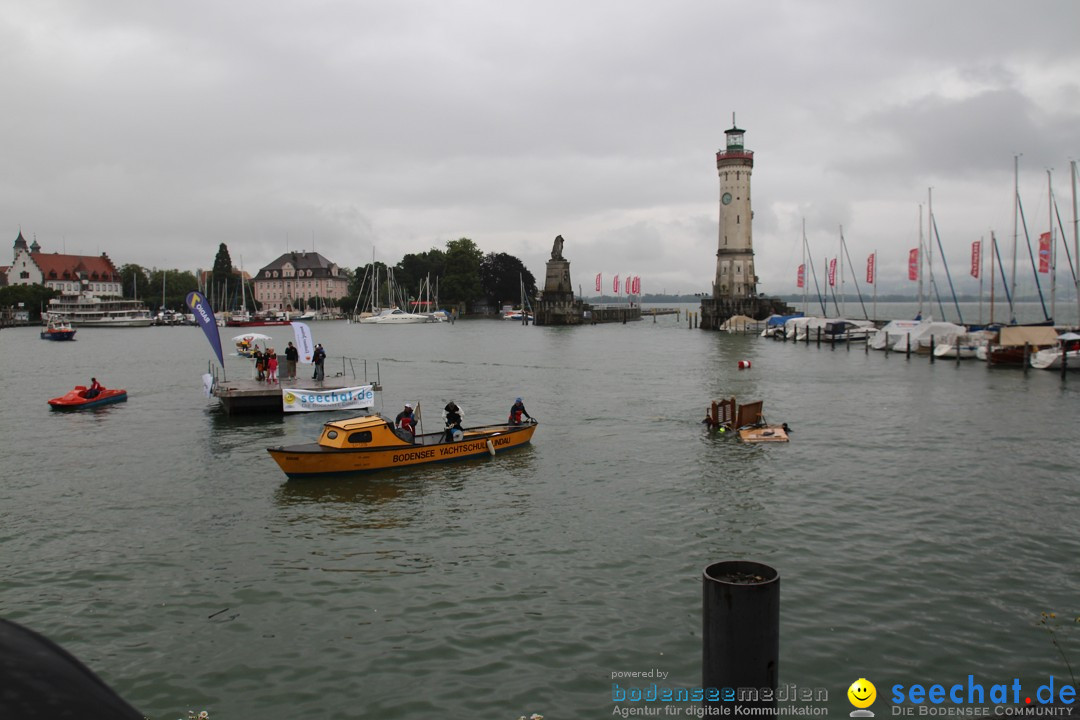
{"x": 406, "y": 421}
{"x": 94, "y": 390}
{"x": 517, "y": 410}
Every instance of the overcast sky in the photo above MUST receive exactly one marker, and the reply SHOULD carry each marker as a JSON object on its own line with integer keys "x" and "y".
{"x": 154, "y": 131}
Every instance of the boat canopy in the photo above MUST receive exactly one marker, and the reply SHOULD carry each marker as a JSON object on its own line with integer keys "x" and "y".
{"x": 777, "y": 320}
{"x": 252, "y": 337}
{"x": 1012, "y": 335}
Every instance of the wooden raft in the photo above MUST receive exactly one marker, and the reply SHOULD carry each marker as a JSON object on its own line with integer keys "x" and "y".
{"x": 746, "y": 420}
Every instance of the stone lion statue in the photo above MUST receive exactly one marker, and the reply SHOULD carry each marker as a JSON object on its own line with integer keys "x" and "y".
{"x": 556, "y": 249}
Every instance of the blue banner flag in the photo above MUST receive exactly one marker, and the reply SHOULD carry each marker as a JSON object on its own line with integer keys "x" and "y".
{"x": 204, "y": 315}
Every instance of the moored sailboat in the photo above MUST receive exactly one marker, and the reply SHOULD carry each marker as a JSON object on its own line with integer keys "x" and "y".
{"x": 1066, "y": 353}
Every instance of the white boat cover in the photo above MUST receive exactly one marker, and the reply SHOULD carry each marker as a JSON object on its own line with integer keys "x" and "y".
{"x": 943, "y": 333}
{"x": 892, "y": 332}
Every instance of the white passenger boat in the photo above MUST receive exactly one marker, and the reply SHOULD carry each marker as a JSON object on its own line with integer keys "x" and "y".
{"x": 90, "y": 311}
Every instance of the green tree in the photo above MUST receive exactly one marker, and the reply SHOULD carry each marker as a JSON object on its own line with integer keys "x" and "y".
{"x": 502, "y": 275}
{"x": 170, "y": 287}
{"x": 221, "y": 277}
{"x": 34, "y": 298}
{"x": 415, "y": 268}
{"x": 134, "y": 281}
{"x": 360, "y": 287}
{"x": 461, "y": 281}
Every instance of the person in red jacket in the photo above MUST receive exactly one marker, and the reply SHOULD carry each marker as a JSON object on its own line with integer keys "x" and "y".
{"x": 406, "y": 421}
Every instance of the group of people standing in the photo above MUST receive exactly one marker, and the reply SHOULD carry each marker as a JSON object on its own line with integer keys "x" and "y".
{"x": 266, "y": 363}
{"x": 453, "y": 416}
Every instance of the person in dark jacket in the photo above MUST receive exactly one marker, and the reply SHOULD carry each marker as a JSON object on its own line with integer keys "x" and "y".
{"x": 292, "y": 355}
{"x": 453, "y": 421}
{"x": 319, "y": 358}
{"x": 517, "y": 410}
{"x": 260, "y": 364}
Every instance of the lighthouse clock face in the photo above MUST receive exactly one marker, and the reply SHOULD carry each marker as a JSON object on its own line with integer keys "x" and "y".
{"x": 726, "y": 198}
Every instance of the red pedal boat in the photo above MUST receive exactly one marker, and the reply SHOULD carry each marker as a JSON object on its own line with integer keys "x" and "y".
{"x": 76, "y": 399}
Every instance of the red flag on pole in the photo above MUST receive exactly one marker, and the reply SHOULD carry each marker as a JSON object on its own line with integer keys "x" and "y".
{"x": 976, "y": 258}
{"x": 637, "y": 284}
{"x": 615, "y": 285}
{"x": 870, "y": 268}
{"x": 598, "y": 280}
{"x": 1044, "y": 253}
{"x": 913, "y": 264}
{"x": 801, "y": 279}
{"x": 832, "y": 272}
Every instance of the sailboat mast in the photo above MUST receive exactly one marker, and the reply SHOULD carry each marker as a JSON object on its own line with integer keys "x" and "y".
{"x": 981, "y": 273}
{"x": 1016, "y": 235}
{"x": 930, "y": 245}
{"x": 805, "y": 284}
{"x": 1076, "y": 238}
{"x": 875, "y": 284}
{"x": 1053, "y": 245}
{"x": 374, "y": 283}
{"x": 993, "y": 252}
{"x": 843, "y": 251}
{"x": 919, "y": 264}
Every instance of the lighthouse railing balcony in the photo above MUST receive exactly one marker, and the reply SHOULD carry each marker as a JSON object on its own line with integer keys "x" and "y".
{"x": 735, "y": 155}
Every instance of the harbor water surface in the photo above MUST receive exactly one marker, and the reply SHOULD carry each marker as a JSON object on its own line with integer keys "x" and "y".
{"x": 921, "y": 519}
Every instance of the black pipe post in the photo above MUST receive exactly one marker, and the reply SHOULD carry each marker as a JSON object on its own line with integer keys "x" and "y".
{"x": 741, "y": 635}
{"x": 931, "y": 349}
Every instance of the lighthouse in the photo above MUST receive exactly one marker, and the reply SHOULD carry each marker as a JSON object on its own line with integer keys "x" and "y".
{"x": 735, "y": 287}
{"x": 735, "y": 277}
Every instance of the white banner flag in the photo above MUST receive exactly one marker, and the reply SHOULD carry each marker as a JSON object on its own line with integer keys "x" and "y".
{"x": 304, "y": 400}
{"x": 304, "y": 346}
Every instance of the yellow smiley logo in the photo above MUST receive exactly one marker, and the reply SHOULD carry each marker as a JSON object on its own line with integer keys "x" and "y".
{"x": 289, "y": 398}
{"x": 862, "y": 693}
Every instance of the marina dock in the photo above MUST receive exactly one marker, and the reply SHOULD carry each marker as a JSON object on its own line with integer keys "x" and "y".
{"x": 242, "y": 397}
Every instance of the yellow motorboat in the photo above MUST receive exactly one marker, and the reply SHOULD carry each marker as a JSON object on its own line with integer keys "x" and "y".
{"x": 371, "y": 442}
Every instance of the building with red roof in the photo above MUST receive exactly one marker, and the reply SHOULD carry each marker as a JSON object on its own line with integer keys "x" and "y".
{"x": 297, "y": 277}
{"x": 70, "y": 274}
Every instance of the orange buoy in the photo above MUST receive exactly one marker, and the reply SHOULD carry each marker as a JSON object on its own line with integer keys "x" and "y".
{"x": 744, "y": 364}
